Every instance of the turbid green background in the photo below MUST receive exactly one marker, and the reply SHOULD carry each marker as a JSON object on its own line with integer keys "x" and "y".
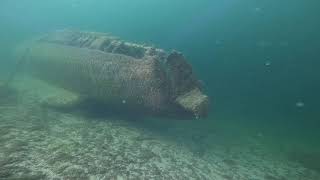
{"x": 228, "y": 42}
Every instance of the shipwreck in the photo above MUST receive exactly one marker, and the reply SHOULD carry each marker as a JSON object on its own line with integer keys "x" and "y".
{"x": 119, "y": 73}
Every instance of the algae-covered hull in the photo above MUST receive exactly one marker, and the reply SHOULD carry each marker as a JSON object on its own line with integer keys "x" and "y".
{"x": 118, "y": 73}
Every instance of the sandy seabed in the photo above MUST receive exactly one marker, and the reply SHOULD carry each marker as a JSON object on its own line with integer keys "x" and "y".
{"x": 37, "y": 142}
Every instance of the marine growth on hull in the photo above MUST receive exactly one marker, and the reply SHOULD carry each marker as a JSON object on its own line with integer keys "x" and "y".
{"x": 118, "y": 73}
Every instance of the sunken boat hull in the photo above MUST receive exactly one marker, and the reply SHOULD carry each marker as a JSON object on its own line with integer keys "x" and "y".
{"x": 117, "y": 73}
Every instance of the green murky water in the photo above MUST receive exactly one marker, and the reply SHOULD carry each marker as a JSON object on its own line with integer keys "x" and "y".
{"x": 258, "y": 61}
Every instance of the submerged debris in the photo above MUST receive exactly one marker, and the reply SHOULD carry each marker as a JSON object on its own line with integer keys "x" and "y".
{"x": 122, "y": 74}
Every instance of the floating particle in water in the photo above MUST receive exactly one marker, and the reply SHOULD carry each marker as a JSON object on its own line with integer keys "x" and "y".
{"x": 260, "y": 134}
{"x": 284, "y": 44}
{"x": 267, "y": 63}
{"x": 218, "y": 42}
{"x": 75, "y": 3}
{"x": 257, "y": 9}
{"x": 264, "y": 44}
{"x": 124, "y": 101}
{"x": 300, "y": 104}
{"x": 201, "y": 84}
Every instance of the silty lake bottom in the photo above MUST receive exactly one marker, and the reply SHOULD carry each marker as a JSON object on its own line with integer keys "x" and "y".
{"x": 38, "y": 142}
{"x": 258, "y": 62}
